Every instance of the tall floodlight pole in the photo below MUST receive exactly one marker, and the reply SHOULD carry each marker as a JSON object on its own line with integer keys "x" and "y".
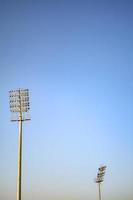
{"x": 100, "y": 178}
{"x": 19, "y": 105}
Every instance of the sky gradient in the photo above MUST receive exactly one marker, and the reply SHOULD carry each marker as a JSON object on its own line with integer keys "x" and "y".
{"x": 76, "y": 59}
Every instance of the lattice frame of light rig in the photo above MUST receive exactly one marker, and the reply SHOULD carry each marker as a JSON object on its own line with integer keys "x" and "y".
{"x": 100, "y": 174}
{"x": 19, "y": 104}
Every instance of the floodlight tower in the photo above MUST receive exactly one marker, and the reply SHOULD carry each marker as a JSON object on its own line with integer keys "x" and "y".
{"x": 19, "y": 105}
{"x": 100, "y": 178}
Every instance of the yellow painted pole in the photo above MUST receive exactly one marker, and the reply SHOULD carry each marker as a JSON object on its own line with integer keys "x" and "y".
{"x": 19, "y": 158}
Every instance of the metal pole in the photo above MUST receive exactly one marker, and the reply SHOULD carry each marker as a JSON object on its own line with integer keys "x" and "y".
{"x": 19, "y": 158}
{"x": 99, "y": 191}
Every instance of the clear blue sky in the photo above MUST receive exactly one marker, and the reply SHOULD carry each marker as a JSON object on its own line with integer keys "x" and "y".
{"x": 76, "y": 58}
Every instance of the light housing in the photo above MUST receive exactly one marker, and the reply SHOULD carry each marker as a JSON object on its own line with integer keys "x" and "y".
{"x": 19, "y": 100}
{"x": 100, "y": 174}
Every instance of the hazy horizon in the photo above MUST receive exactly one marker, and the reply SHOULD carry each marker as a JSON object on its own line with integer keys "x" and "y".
{"x": 76, "y": 59}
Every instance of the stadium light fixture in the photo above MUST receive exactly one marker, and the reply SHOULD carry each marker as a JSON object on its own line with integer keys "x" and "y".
{"x": 19, "y": 105}
{"x": 100, "y": 178}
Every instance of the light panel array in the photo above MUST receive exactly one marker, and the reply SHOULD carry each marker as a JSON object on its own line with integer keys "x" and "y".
{"x": 100, "y": 174}
{"x": 19, "y": 100}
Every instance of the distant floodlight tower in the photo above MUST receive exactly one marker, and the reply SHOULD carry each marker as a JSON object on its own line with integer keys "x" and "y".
{"x": 19, "y": 105}
{"x": 100, "y": 178}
